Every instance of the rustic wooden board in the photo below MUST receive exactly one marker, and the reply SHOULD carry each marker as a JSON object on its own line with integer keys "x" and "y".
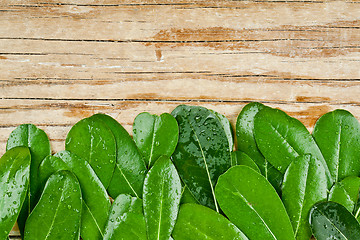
{"x": 61, "y": 61}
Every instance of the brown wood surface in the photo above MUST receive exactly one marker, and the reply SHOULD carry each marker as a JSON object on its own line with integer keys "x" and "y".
{"x": 61, "y": 61}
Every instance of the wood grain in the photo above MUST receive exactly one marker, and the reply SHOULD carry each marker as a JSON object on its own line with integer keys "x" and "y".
{"x": 61, "y": 61}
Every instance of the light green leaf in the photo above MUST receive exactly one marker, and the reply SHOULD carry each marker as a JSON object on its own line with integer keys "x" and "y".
{"x": 241, "y": 158}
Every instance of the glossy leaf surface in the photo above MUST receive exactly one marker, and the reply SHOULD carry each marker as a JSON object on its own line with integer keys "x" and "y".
{"x": 155, "y": 135}
{"x": 93, "y": 141}
{"x": 14, "y": 183}
{"x": 346, "y": 193}
{"x": 252, "y": 204}
{"x": 126, "y": 220}
{"x": 130, "y": 170}
{"x": 28, "y": 135}
{"x": 241, "y": 158}
{"x": 196, "y": 222}
{"x": 330, "y": 220}
{"x": 337, "y": 134}
{"x": 282, "y": 138}
{"x": 96, "y": 203}
{"x": 161, "y": 196}
{"x": 58, "y": 212}
{"x": 304, "y": 185}
{"x": 202, "y": 153}
{"x": 246, "y": 143}
{"x": 187, "y": 197}
{"x": 227, "y": 128}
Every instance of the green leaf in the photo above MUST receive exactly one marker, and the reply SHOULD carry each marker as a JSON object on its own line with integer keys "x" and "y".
{"x": 202, "y": 153}
{"x": 241, "y": 158}
{"x": 330, "y": 220}
{"x": 346, "y": 193}
{"x": 227, "y": 128}
{"x": 93, "y": 141}
{"x": 247, "y": 144}
{"x": 187, "y": 197}
{"x": 162, "y": 193}
{"x": 196, "y": 222}
{"x": 337, "y": 134}
{"x": 130, "y": 170}
{"x": 96, "y": 204}
{"x": 304, "y": 185}
{"x": 126, "y": 220}
{"x": 14, "y": 183}
{"x": 28, "y": 135}
{"x": 155, "y": 136}
{"x": 282, "y": 138}
{"x": 252, "y": 204}
{"x": 58, "y": 212}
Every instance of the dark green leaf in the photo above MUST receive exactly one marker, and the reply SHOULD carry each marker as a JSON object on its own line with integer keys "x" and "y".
{"x": 202, "y": 153}
{"x": 28, "y": 135}
{"x": 162, "y": 193}
{"x": 282, "y": 138}
{"x": 130, "y": 170}
{"x": 304, "y": 185}
{"x": 14, "y": 183}
{"x": 187, "y": 197}
{"x": 241, "y": 158}
{"x": 337, "y": 134}
{"x": 252, "y": 204}
{"x": 96, "y": 203}
{"x": 330, "y": 220}
{"x": 58, "y": 212}
{"x": 247, "y": 144}
{"x": 196, "y": 222}
{"x": 227, "y": 128}
{"x": 126, "y": 220}
{"x": 155, "y": 135}
{"x": 346, "y": 193}
{"x": 93, "y": 141}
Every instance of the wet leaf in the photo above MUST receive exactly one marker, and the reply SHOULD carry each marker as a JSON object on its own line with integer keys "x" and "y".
{"x": 93, "y": 141}
{"x": 282, "y": 138}
{"x": 96, "y": 203}
{"x": 330, "y": 220}
{"x": 246, "y": 143}
{"x": 227, "y": 128}
{"x": 241, "y": 158}
{"x": 187, "y": 197}
{"x": 196, "y": 222}
{"x": 155, "y": 136}
{"x": 304, "y": 185}
{"x": 202, "y": 153}
{"x": 346, "y": 193}
{"x": 337, "y": 134}
{"x": 252, "y": 204}
{"x": 130, "y": 170}
{"x": 14, "y": 183}
{"x": 58, "y": 212}
{"x": 162, "y": 193}
{"x": 28, "y": 135}
{"x": 126, "y": 220}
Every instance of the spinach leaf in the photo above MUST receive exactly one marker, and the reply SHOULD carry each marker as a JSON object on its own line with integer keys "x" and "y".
{"x": 155, "y": 135}
{"x": 126, "y": 219}
{"x": 252, "y": 204}
{"x": 241, "y": 158}
{"x": 196, "y": 222}
{"x": 246, "y": 143}
{"x": 304, "y": 185}
{"x": 14, "y": 183}
{"x": 337, "y": 134}
{"x": 346, "y": 193}
{"x": 28, "y": 135}
{"x": 282, "y": 138}
{"x": 58, "y": 212}
{"x": 330, "y": 220}
{"x": 96, "y": 203}
{"x": 202, "y": 153}
{"x": 93, "y": 141}
{"x": 162, "y": 193}
{"x": 130, "y": 170}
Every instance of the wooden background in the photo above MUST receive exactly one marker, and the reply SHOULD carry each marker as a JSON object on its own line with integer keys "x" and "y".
{"x": 61, "y": 61}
